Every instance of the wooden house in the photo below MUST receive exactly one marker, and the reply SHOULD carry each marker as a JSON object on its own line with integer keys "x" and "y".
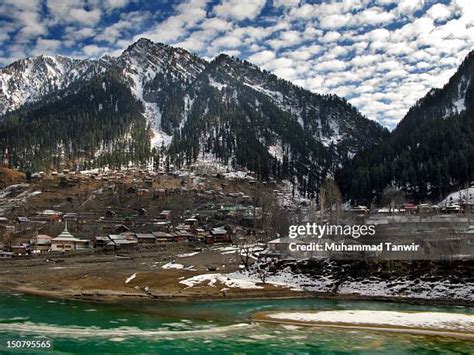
{"x": 162, "y": 237}
{"x": 218, "y": 235}
{"x": 409, "y": 208}
{"x": 103, "y": 242}
{"x": 145, "y": 238}
{"x": 166, "y": 215}
{"x": 41, "y": 243}
{"x": 21, "y": 249}
{"x": 124, "y": 241}
{"x": 162, "y": 226}
{"x": 182, "y": 235}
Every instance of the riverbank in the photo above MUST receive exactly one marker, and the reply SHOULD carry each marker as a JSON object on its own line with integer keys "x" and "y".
{"x": 142, "y": 277}
{"x": 111, "y": 296}
{"x": 157, "y": 276}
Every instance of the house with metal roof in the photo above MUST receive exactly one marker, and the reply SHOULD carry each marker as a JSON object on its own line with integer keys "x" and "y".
{"x": 67, "y": 242}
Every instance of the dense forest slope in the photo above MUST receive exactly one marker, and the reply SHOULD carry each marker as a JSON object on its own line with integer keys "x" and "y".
{"x": 431, "y": 151}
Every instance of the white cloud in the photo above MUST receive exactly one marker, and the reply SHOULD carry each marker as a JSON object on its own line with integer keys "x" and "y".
{"x": 93, "y": 50}
{"x": 286, "y": 3}
{"x": 408, "y": 7}
{"x": 332, "y": 65}
{"x": 439, "y": 12}
{"x": 25, "y": 19}
{"x": 335, "y": 21}
{"x": 216, "y": 24}
{"x": 239, "y": 9}
{"x": 374, "y": 16}
{"x": 49, "y": 46}
{"x": 227, "y": 42}
{"x": 262, "y": 57}
{"x": 379, "y": 34}
{"x": 111, "y": 5}
{"x": 188, "y": 14}
{"x": 85, "y": 17}
{"x": 331, "y": 36}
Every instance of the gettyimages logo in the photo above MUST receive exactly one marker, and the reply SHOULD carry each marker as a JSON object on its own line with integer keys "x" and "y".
{"x": 319, "y": 231}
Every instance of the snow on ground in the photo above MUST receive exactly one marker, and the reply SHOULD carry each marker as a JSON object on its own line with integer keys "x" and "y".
{"x": 248, "y": 280}
{"x": 276, "y": 151}
{"x": 410, "y": 288}
{"x": 276, "y": 96}
{"x": 186, "y": 255}
{"x": 227, "y": 280}
{"x": 208, "y": 164}
{"x": 172, "y": 265}
{"x": 289, "y": 197}
{"x": 153, "y": 115}
{"x": 15, "y": 195}
{"x": 459, "y": 196}
{"x": 130, "y": 278}
{"x": 288, "y": 279}
{"x": 12, "y": 189}
{"x": 229, "y": 252}
{"x": 431, "y": 320}
{"x": 214, "y": 83}
{"x": 300, "y": 282}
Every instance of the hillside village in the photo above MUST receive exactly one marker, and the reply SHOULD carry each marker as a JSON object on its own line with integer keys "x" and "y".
{"x": 131, "y": 210}
{"x": 128, "y": 210}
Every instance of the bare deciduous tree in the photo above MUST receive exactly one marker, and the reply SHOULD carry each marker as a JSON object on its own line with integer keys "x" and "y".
{"x": 246, "y": 246}
{"x": 330, "y": 198}
{"x": 392, "y": 197}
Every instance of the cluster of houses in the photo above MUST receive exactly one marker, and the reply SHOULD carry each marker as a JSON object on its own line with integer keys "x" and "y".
{"x": 124, "y": 239}
{"x": 131, "y": 241}
{"x": 41, "y": 243}
{"x": 422, "y": 208}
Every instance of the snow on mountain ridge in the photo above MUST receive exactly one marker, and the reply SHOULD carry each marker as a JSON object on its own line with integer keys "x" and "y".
{"x": 28, "y": 80}
{"x": 167, "y": 81}
{"x": 145, "y": 62}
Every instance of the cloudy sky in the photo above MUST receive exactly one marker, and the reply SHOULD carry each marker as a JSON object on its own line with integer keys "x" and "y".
{"x": 382, "y": 55}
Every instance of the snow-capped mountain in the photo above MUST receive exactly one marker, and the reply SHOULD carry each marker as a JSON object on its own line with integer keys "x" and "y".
{"x": 28, "y": 80}
{"x": 227, "y": 110}
{"x": 329, "y": 119}
{"x": 154, "y": 72}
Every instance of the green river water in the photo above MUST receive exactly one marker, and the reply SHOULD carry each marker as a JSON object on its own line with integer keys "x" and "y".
{"x": 207, "y": 327}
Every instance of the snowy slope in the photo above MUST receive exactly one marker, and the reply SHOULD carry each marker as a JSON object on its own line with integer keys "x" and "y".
{"x": 460, "y": 196}
{"x": 151, "y": 70}
{"x": 330, "y": 120}
{"x": 28, "y": 80}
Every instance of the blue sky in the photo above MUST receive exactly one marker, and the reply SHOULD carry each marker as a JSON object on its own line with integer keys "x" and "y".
{"x": 382, "y": 55}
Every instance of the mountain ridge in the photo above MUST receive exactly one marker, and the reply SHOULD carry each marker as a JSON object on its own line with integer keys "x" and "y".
{"x": 429, "y": 154}
{"x": 226, "y": 109}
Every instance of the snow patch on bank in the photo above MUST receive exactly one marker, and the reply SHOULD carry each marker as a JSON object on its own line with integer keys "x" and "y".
{"x": 187, "y": 255}
{"x": 130, "y": 278}
{"x": 430, "y": 320}
{"x": 173, "y": 266}
{"x": 227, "y": 280}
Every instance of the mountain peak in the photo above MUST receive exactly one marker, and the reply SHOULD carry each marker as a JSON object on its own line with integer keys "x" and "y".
{"x": 145, "y": 44}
